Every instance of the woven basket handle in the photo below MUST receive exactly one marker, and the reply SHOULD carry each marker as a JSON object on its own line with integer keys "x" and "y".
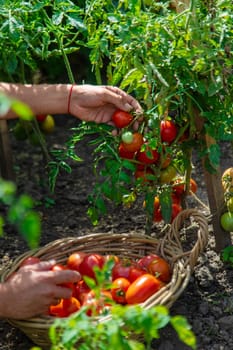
{"x": 173, "y": 235}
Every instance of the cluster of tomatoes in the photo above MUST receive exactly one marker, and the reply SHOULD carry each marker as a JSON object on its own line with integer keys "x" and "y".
{"x": 227, "y": 184}
{"x": 24, "y": 129}
{"x": 131, "y": 282}
{"x": 149, "y": 162}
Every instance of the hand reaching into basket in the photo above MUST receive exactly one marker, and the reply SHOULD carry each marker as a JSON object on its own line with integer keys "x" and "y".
{"x": 86, "y": 102}
{"x": 33, "y": 288}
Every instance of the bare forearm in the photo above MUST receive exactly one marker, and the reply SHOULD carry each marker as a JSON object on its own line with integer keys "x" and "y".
{"x": 42, "y": 99}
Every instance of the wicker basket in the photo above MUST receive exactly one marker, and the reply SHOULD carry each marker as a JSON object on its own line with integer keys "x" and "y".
{"x": 135, "y": 246}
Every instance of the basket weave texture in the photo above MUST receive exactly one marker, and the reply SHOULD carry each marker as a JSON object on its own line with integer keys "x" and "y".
{"x": 128, "y": 245}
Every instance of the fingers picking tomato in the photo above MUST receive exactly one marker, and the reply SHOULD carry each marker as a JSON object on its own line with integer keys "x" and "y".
{"x": 31, "y": 260}
{"x": 142, "y": 288}
{"x": 121, "y": 118}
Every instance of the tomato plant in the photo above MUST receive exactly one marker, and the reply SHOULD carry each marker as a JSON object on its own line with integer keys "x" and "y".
{"x": 121, "y": 119}
{"x": 142, "y": 288}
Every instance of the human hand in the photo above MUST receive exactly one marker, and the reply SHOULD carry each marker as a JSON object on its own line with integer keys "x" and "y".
{"x": 98, "y": 103}
{"x": 33, "y": 288}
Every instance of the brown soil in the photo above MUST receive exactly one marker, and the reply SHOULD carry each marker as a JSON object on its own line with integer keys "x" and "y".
{"x": 207, "y": 302}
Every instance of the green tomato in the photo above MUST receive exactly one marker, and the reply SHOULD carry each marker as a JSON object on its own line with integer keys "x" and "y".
{"x": 227, "y": 221}
{"x": 230, "y": 205}
{"x": 127, "y": 137}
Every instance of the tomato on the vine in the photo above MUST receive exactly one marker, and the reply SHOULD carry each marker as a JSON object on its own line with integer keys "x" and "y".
{"x": 148, "y": 156}
{"x": 41, "y": 117}
{"x": 226, "y": 220}
{"x": 167, "y": 175}
{"x": 119, "y": 288}
{"x": 230, "y": 204}
{"x": 178, "y": 186}
{"x": 142, "y": 288}
{"x": 86, "y": 267}
{"x": 121, "y": 119}
{"x": 123, "y": 153}
{"x": 136, "y": 144}
{"x": 227, "y": 180}
{"x": 127, "y": 137}
{"x": 143, "y": 174}
{"x": 176, "y": 209}
{"x": 48, "y": 124}
{"x": 168, "y": 131}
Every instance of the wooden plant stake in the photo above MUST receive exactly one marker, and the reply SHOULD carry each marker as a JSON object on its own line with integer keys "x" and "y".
{"x": 6, "y": 160}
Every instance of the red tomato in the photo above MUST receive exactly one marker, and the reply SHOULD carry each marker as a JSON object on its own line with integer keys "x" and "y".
{"x": 71, "y": 305}
{"x": 57, "y": 310}
{"x": 193, "y": 186}
{"x": 142, "y": 288}
{"x": 97, "y": 305}
{"x": 41, "y": 117}
{"x": 75, "y": 259}
{"x": 119, "y": 288}
{"x": 65, "y": 308}
{"x": 176, "y": 209}
{"x": 157, "y": 215}
{"x": 86, "y": 267}
{"x": 136, "y": 144}
{"x": 160, "y": 269}
{"x": 145, "y": 261}
{"x": 122, "y": 269}
{"x": 149, "y": 156}
{"x": 121, "y": 118}
{"x": 179, "y": 186}
{"x": 134, "y": 273}
{"x": 176, "y": 199}
{"x": 168, "y": 131}
{"x": 80, "y": 290}
{"x": 123, "y": 153}
{"x": 31, "y": 260}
